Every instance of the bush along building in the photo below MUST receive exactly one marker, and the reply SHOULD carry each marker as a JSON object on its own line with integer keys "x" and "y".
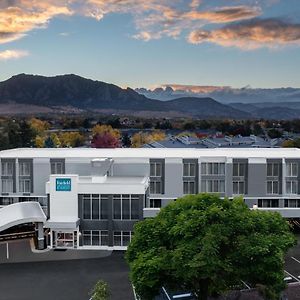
{"x": 92, "y": 198}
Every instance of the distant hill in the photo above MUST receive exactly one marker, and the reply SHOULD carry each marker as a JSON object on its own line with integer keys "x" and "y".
{"x": 71, "y": 92}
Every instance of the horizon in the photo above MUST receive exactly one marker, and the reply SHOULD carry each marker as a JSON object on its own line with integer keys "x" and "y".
{"x": 148, "y": 43}
{"x": 162, "y": 86}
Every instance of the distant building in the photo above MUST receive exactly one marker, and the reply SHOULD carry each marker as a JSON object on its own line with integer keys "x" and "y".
{"x": 238, "y": 141}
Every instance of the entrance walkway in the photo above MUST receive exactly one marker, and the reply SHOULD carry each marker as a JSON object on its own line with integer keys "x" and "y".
{"x": 21, "y": 251}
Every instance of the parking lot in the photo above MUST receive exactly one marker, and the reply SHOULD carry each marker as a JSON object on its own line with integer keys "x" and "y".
{"x": 292, "y": 264}
{"x": 71, "y": 274}
{"x": 49, "y": 276}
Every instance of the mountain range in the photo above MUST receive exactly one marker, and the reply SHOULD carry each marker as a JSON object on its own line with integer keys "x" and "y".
{"x": 73, "y": 94}
{"x": 224, "y": 94}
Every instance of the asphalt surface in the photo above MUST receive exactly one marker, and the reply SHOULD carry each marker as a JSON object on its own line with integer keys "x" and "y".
{"x": 64, "y": 279}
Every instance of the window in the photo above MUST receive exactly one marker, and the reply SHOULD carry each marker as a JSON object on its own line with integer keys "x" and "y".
{"x": 95, "y": 207}
{"x": 122, "y": 238}
{"x": 189, "y": 169}
{"x": 25, "y": 173}
{"x": 238, "y": 187}
{"x": 7, "y": 176}
{"x": 7, "y": 168}
{"x": 189, "y": 187}
{"x": 6, "y": 201}
{"x": 57, "y": 167}
{"x": 272, "y": 187}
{"x": 273, "y": 169}
{"x": 24, "y": 169}
{"x": 213, "y": 186}
{"x": 156, "y": 176}
{"x": 155, "y": 203}
{"x": 155, "y": 169}
{"x": 213, "y": 168}
{"x": 126, "y": 207}
{"x": 95, "y": 238}
{"x": 24, "y": 185}
{"x": 239, "y": 169}
{"x": 292, "y": 203}
{"x": 268, "y": 203}
{"x": 292, "y": 169}
{"x": 7, "y": 185}
{"x": 292, "y": 187}
{"x": 155, "y": 187}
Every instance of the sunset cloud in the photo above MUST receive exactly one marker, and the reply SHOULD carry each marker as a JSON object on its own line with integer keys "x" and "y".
{"x": 12, "y": 54}
{"x": 225, "y": 14}
{"x": 251, "y": 34}
{"x": 155, "y": 19}
{"x": 21, "y": 16}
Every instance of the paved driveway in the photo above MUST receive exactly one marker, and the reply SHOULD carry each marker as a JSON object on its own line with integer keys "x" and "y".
{"x": 61, "y": 279}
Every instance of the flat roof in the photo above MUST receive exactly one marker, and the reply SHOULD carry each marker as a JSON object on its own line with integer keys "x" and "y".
{"x": 150, "y": 153}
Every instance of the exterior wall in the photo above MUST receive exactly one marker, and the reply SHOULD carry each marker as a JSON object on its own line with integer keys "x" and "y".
{"x": 173, "y": 178}
{"x": 257, "y": 175}
{"x": 41, "y": 173}
{"x": 110, "y": 224}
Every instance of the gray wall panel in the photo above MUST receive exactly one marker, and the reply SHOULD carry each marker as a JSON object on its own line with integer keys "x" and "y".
{"x": 257, "y": 176}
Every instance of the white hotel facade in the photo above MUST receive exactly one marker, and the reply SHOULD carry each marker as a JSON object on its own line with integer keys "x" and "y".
{"x": 91, "y": 198}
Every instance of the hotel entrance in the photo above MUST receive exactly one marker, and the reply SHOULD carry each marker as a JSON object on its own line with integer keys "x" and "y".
{"x": 65, "y": 239}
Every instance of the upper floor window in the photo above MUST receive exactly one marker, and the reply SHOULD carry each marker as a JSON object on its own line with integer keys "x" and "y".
{"x": 273, "y": 169}
{"x": 155, "y": 169}
{"x": 126, "y": 207}
{"x": 239, "y": 169}
{"x": 292, "y": 169}
{"x": 213, "y": 186}
{"x": 7, "y": 168}
{"x": 57, "y": 167}
{"x": 95, "y": 207}
{"x": 7, "y": 185}
{"x": 189, "y": 169}
{"x": 24, "y": 168}
{"x": 213, "y": 168}
{"x": 292, "y": 187}
{"x": 189, "y": 187}
{"x": 272, "y": 187}
{"x": 238, "y": 187}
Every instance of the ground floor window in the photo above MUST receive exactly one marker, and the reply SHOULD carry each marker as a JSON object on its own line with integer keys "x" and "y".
{"x": 64, "y": 239}
{"x": 293, "y": 203}
{"x": 95, "y": 238}
{"x": 268, "y": 203}
{"x": 122, "y": 238}
{"x": 6, "y": 200}
{"x": 155, "y": 203}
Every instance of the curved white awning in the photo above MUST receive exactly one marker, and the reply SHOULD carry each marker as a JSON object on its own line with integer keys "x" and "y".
{"x": 21, "y": 213}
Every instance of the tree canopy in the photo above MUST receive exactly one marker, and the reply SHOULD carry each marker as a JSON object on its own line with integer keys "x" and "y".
{"x": 208, "y": 245}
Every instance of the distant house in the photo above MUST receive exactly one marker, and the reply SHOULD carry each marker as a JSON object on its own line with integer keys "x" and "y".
{"x": 216, "y": 141}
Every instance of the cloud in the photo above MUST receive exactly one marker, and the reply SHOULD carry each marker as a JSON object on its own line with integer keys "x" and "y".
{"x": 225, "y": 14}
{"x": 12, "y": 54}
{"x": 251, "y": 34}
{"x": 155, "y": 19}
{"x": 18, "y": 17}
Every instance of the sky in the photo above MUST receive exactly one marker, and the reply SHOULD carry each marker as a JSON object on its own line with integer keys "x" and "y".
{"x": 148, "y": 43}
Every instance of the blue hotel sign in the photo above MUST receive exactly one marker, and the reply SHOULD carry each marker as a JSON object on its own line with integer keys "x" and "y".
{"x": 63, "y": 184}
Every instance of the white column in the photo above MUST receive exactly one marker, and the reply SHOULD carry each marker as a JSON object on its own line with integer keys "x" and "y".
{"x": 283, "y": 177}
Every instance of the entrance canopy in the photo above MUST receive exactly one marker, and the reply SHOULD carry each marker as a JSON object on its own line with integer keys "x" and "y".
{"x": 21, "y": 213}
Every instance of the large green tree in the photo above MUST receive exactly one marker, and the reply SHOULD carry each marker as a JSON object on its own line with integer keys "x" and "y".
{"x": 208, "y": 245}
